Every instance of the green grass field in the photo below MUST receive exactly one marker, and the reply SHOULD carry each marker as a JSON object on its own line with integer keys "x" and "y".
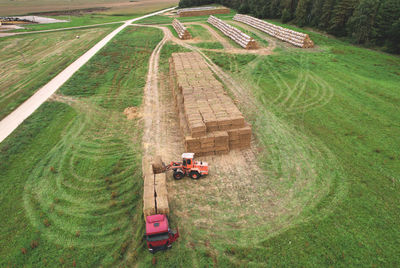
{"x": 71, "y": 183}
{"x": 76, "y": 21}
{"x": 30, "y": 61}
{"x": 198, "y": 31}
{"x": 326, "y": 123}
{"x": 340, "y": 103}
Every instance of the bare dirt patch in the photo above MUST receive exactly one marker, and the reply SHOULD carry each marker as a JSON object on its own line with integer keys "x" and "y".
{"x": 132, "y": 113}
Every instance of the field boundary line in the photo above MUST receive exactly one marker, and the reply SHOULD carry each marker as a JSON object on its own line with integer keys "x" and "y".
{"x": 15, "y": 118}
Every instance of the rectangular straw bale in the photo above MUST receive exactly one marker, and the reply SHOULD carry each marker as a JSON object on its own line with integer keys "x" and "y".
{"x": 160, "y": 179}
{"x": 148, "y": 179}
{"x": 162, "y": 205}
{"x": 146, "y": 166}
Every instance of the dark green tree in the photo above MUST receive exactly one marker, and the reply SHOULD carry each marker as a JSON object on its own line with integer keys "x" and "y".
{"x": 303, "y": 12}
{"x": 341, "y": 14}
{"x": 286, "y": 16}
{"x": 362, "y": 24}
{"x": 326, "y": 14}
{"x": 316, "y": 12}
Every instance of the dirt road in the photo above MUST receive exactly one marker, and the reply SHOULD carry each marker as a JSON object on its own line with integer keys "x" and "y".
{"x": 13, "y": 120}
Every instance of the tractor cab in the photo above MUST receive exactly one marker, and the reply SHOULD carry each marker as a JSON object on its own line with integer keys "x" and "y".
{"x": 158, "y": 234}
{"x": 189, "y": 167}
{"x": 187, "y": 160}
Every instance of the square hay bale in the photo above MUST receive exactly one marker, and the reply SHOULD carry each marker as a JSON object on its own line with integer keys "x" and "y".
{"x": 192, "y": 142}
{"x": 222, "y": 152}
{"x": 162, "y": 205}
{"x": 160, "y": 179}
{"x": 148, "y": 180}
{"x": 245, "y": 130}
{"x": 146, "y": 166}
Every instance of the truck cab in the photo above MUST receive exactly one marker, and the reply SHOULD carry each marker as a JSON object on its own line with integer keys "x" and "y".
{"x": 158, "y": 234}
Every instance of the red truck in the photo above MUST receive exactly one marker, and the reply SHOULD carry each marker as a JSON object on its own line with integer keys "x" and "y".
{"x": 158, "y": 234}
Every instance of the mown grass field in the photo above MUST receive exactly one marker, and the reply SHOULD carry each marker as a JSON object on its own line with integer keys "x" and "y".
{"x": 30, "y": 61}
{"x": 71, "y": 183}
{"x": 340, "y": 103}
{"x": 327, "y": 125}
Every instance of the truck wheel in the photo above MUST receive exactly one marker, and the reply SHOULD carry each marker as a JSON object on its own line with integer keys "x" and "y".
{"x": 194, "y": 175}
{"x": 178, "y": 175}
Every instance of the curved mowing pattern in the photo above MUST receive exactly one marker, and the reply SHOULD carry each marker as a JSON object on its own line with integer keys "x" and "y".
{"x": 85, "y": 190}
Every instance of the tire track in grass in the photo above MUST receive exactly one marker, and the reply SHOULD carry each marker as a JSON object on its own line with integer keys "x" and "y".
{"x": 63, "y": 199}
{"x": 87, "y": 190}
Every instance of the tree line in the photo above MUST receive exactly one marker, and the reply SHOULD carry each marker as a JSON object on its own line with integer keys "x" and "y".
{"x": 369, "y": 22}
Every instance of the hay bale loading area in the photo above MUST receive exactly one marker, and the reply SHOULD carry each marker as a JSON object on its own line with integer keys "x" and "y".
{"x": 235, "y": 34}
{"x": 155, "y": 194}
{"x": 202, "y": 11}
{"x": 181, "y": 30}
{"x": 209, "y": 120}
{"x": 290, "y": 36}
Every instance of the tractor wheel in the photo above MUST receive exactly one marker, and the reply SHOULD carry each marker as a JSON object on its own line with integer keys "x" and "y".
{"x": 194, "y": 175}
{"x": 178, "y": 175}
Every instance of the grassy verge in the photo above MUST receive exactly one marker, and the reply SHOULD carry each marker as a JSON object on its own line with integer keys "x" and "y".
{"x": 33, "y": 60}
{"x": 174, "y": 33}
{"x": 209, "y": 45}
{"x": 198, "y": 31}
{"x": 71, "y": 175}
{"x": 344, "y": 99}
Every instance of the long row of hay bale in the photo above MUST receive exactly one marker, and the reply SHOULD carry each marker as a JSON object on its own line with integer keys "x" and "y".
{"x": 209, "y": 120}
{"x": 235, "y": 34}
{"x": 290, "y": 36}
{"x": 202, "y": 11}
{"x": 155, "y": 194}
{"x": 181, "y": 30}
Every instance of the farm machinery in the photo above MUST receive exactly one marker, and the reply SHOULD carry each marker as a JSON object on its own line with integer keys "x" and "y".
{"x": 188, "y": 167}
{"x": 158, "y": 234}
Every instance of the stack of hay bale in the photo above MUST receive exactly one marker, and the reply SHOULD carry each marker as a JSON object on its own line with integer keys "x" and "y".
{"x": 202, "y": 11}
{"x": 181, "y": 30}
{"x": 155, "y": 194}
{"x": 236, "y": 35}
{"x": 209, "y": 120}
{"x": 290, "y": 36}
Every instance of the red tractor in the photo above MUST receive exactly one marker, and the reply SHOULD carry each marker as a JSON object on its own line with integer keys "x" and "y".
{"x": 188, "y": 167}
{"x": 158, "y": 234}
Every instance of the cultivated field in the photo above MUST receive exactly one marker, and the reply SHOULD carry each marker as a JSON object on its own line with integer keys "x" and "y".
{"x": 30, "y": 61}
{"x": 318, "y": 187}
{"x": 8, "y": 8}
